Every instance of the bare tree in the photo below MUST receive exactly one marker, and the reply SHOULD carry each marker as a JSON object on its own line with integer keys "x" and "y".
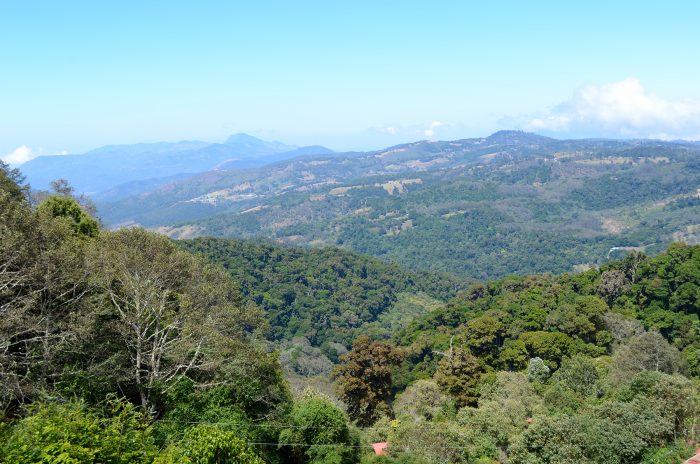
{"x": 173, "y": 314}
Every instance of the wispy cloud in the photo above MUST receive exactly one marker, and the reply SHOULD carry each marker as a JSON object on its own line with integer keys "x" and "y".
{"x": 620, "y": 109}
{"x": 391, "y": 130}
{"x": 427, "y": 130}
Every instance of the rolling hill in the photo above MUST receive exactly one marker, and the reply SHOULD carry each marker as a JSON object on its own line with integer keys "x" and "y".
{"x": 484, "y": 208}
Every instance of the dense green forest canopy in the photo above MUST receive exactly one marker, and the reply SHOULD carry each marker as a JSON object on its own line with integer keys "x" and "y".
{"x": 326, "y": 295}
{"x": 123, "y": 346}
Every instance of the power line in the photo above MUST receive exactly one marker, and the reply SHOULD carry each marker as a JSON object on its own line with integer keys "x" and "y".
{"x": 309, "y": 445}
{"x": 243, "y": 424}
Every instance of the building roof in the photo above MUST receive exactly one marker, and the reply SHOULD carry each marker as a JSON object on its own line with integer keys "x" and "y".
{"x": 380, "y": 448}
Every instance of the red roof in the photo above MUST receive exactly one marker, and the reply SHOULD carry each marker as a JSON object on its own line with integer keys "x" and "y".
{"x": 380, "y": 448}
{"x": 694, "y": 460}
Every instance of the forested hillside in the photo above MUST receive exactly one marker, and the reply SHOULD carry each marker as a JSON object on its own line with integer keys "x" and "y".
{"x": 325, "y": 295}
{"x": 125, "y": 346}
{"x": 597, "y": 367}
{"x": 480, "y": 208}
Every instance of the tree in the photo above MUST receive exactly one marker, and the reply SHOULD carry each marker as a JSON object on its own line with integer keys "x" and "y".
{"x": 550, "y": 346}
{"x": 363, "y": 379}
{"x": 459, "y": 375}
{"x": 72, "y": 433}
{"x": 581, "y": 319}
{"x": 613, "y": 283}
{"x": 484, "y": 335}
{"x": 42, "y": 289}
{"x": 66, "y": 207}
{"x": 575, "y": 439}
{"x": 423, "y": 401}
{"x": 578, "y": 374}
{"x": 676, "y": 397}
{"x": 439, "y": 442}
{"x": 12, "y": 183}
{"x": 505, "y": 406}
{"x": 63, "y": 189}
{"x": 537, "y": 370}
{"x": 316, "y": 426}
{"x": 208, "y": 444}
{"x": 646, "y": 352}
{"x": 169, "y": 315}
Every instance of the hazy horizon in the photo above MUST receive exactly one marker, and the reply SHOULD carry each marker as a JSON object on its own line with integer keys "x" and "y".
{"x": 360, "y": 76}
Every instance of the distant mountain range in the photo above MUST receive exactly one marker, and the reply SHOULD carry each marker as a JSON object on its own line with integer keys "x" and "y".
{"x": 513, "y": 202}
{"x": 115, "y": 171}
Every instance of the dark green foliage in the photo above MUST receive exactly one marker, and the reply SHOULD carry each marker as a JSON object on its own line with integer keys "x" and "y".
{"x": 459, "y": 374}
{"x": 506, "y": 322}
{"x": 65, "y": 207}
{"x": 323, "y": 295}
{"x": 12, "y": 183}
{"x": 363, "y": 379}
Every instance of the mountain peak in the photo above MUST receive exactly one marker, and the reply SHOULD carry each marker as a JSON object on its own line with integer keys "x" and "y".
{"x": 254, "y": 146}
{"x": 242, "y": 138}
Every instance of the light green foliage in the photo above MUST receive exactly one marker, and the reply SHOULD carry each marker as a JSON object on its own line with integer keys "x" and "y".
{"x": 72, "y": 433}
{"x": 674, "y": 395}
{"x": 207, "y": 444}
{"x": 423, "y": 401}
{"x": 504, "y": 409}
{"x": 317, "y": 425}
{"x": 672, "y": 453}
{"x": 440, "y": 442}
{"x": 646, "y": 352}
{"x": 569, "y": 439}
{"x": 580, "y": 375}
{"x": 537, "y": 370}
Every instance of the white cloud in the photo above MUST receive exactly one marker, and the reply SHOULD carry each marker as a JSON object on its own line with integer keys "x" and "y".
{"x": 425, "y": 130}
{"x": 19, "y": 155}
{"x": 620, "y": 109}
{"x": 430, "y": 130}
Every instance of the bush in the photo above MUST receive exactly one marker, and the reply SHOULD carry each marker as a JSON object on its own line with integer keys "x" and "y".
{"x": 71, "y": 433}
{"x": 208, "y": 444}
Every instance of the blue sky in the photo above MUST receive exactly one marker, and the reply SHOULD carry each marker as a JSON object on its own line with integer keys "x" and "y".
{"x": 347, "y": 74}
